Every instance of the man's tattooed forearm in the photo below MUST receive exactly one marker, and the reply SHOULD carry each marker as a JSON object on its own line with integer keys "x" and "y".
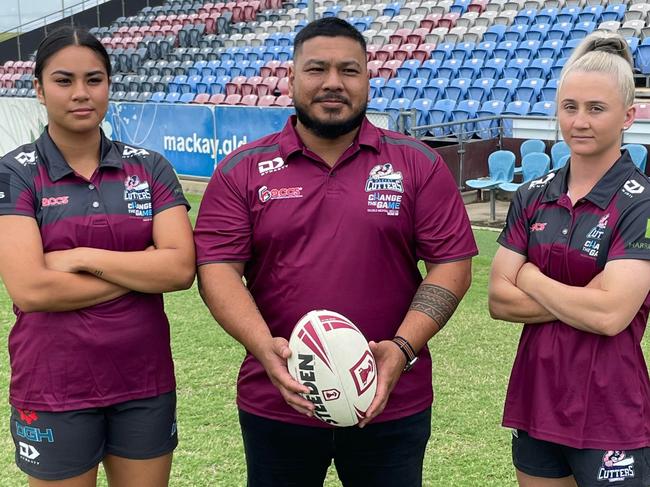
{"x": 436, "y": 302}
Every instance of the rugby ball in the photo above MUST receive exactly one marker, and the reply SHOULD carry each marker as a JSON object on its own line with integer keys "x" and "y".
{"x": 332, "y": 358}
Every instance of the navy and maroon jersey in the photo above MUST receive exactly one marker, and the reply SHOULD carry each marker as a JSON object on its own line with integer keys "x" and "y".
{"x": 568, "y": 386}
{"x": 346, "y": 238}
{"x": 112, "y": 352}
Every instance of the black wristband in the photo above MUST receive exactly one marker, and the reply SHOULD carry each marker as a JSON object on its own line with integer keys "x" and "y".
{"x": 407, "y": 350}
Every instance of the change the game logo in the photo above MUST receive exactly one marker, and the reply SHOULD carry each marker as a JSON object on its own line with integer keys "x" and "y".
{"x": 138, "y": 196}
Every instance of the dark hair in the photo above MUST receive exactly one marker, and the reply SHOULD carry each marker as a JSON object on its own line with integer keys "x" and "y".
{"x": 68, "y": 36}
{"x": 328, "y": 27}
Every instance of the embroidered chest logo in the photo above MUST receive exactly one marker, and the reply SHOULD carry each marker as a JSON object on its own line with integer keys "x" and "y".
{"x": 632, "y": 187}
{"x": 616, "y": 467}
{"x": 383, "y": 178}
{"x": 26, "y": 158}
{"x": 138, "y": 197}
{"x": 538, "y": 227}
{"x": 592, "y": 244}
{"x": 275, "y": 164}
{"x": 540, "y": 183}
{"x": 265, "y": 194}
{"x": 132, "y": 151}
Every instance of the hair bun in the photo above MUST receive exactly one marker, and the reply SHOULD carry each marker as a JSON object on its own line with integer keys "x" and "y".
{"x": 612, "y": 45}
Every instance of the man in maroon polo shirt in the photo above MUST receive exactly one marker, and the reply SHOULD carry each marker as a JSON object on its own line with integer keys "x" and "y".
{"x": 333, "y": 213}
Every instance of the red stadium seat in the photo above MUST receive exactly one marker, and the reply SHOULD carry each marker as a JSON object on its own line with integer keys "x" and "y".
{"x": 399, "y": 36}
{"x": 405, "y": 52}
{"x": 234, "y": 85}
{"x": 249, "y": 100}
{"x": 201, "y": 98}
{"x": 430, "y": 21}
{"x": 267, "y": 86}
{"x": 423, "y": 52}
{"x": 216, "y": 99}
{"x": 371, "y": 49}
{"x": 269, "y": 68}
{"x": 386, "y": 53}
{"x": 283, "y": 70}
{"x": 250, "y": 86}
{"x": 283, "y": 101}
{"x": 477, "y": 6}
{"x": 374, "y": 66}
{"x": 417, "y": 36}
{"x": 266, "y": 101}
{"x": 232, "y": 99}
{"x": 449, "y": 20}
{"x": 389, "y": 68}
{"x": 642, "y": 111}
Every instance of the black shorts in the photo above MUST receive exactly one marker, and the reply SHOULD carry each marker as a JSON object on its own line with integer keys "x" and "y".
{"x": 61, "y": 445}
{"x": 591, "y": 468}
{"x": 387, "y": 454}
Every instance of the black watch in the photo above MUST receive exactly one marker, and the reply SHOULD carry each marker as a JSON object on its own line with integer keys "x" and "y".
{"x": 407, "y": 350}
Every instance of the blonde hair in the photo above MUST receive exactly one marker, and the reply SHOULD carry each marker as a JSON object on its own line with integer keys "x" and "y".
{"x": 607, "y": 53}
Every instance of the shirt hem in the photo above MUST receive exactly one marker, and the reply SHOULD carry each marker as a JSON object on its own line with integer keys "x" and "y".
{"x": 90, "y": 403}
{"x": 450, "y": 259}
{"x": 572, "y": 442}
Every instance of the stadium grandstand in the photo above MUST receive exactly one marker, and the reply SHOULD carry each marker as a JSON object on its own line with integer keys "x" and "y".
{"x": 448, "y": 71}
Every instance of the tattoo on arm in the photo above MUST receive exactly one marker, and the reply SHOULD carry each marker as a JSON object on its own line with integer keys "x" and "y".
{"x": 98, "y": 273}
{"x": 436, "y": 302}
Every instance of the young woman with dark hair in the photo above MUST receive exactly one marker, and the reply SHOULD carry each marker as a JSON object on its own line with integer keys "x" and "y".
{"x": 93, "y": 232}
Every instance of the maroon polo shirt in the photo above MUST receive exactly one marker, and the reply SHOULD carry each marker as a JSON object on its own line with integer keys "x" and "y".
{"x": 346, "y": 238}
{"x": 568, "y": 386}
{"x": 111, "y": 352}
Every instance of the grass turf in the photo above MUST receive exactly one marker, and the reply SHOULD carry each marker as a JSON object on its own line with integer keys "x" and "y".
{"x": 471, "y": 360}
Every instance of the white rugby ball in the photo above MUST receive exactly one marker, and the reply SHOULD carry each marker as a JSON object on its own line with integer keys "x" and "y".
{"x": 332, "y": 358}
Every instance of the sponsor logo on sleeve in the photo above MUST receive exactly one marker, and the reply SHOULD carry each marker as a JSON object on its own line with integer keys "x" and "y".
{"x": 383, "y": 178}
{"x": 616, "y": 466}
{"x": 274, "y": 165}
{"x": 26, "y": 158}
{"x": 632, "y": 187}
{"x": 129, "y": 152}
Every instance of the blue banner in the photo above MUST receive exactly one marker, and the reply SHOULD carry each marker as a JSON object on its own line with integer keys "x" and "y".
{"x": 237, "y": 126}
{"x": 193, "y": 137}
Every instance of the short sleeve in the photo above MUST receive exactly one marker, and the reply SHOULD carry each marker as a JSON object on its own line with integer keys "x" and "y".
{"x": 442, "y": 228}
{"x": 223, "y": 231}
{"x": 514, "y": 235}
{"x": 631, "y": 237}
{"x": 167, "y": 190}
{"x": 16, "y": 192}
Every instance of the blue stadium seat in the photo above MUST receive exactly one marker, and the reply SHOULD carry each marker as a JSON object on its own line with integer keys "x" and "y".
{"x": 484, "y": 50}
{"x": 488, "y": 129}
{"x": 172, "y": 97}
{"x": 464, "y": 111}
{"x": 376, "y": 84}
{"x": 530, "y": 146}
{"x": 463, "y": 50}
{"x": 525, "y": 17}
{"x": 543, "y": 109}
{"x": 529, "y": 90}
{"x": 449, "y": 68}
{"x": 493, "y": 68}
{"x": 561, "y": 162}
{"x": 613, "y": 12}
{"x": 559, "y": 30}
{"x": 175, "y": 85}
{"x": 568, "y": 47}
{"x": 441, "y": 113}
{"x": 516, "y": 108}
{"x": 515, "y": 32}
{"x": 408, "y": 69}
{"x": 395, "y": 107}
{"x": 457, "y": 88}
{"x": 582, "y": 29}
{"x": 515, "y": 68}
{"x": 527, "y": 49}
{"x": 551, "y": 48}
{"x": 470, "y": 68}
{"x": 568, "y": 14}
{"x": 197, "y": 68}
{"x": 393, "y": 88}
{"x": 591, "y": 13}
{"x": 203, "y": 86}
{"x": 504, "y": 89}
{"x": 539, "y": 68}
{"x": 428, "y": 69}
{"x": 414, "y": 88}
{"x": 422, "y": 107}
{"x": 480, "y": 89}
{"x": 538, "y": 32}
{"x": 505, "y": 49}
{"x": 501, "y": 169}
{"x": 187, "y": 98}
{"x": 495, "y": 33}
{"x": 193, "y": 81}
{"x": 435, "y": 88}
{"x": 633, "y": 43}
{"x": 638, "y": 153}
{"x": 533, "y": 166}
{"x": 556, "y": 70}
{"x": 559, "y": 150}
{"x": 546, "y": 15}
{"x": 210, "y": 67}
{"x": 443, "y": 51}
{"x": 459, "y": 6}
{"x": 378, "y": 104}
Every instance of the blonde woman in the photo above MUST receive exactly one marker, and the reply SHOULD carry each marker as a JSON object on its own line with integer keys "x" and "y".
{"x": 573, "y": 266}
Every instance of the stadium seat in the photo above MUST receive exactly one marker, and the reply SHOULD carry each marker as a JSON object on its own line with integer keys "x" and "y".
{"x": 501, "y": 169}
{"x": 201, "y": 98}
{"x": 428, "y": 69}
{"x": 529, "y": 90}
{"x": 441, "y": 113}
{"x": 537, "y": 32}
{"x": 464, "y": 112}
{"x": 527, "y": 49}
{"x": 457, "y": 88}
{"x": 559, "y": 150}
{"x": 493, "y": 68}
{"x": 504, "y": 89}
{"x": 248, "y": 100}
{"x": 376, "y": 84}
{"x": 480, "y": 89}
{"x": 515, "y": 108}
{"x": 543, "y": 109}
{"x": 529, "y": 146}
{"x": 533, "y": 166}
{"x": 395, "y": 108}
{"x": 642, "y": 111}
{"x": 216, "y": 99}
{"x": 487, "y": 129}
{"x": 422, "y": 107}
{"x": 470, "y": 68}
{"x": 434, "y": 90}
{"x": 378, "y": 104}
{"x": 639, "y": 155}
{"x": 283, "y": 101}
{"x": 642, "y": 60}
{"x": 515, "y": 68}
{"x": 186, "y": 98}
{"x": 173, "y": 97}
{"x": 414, "y": 88}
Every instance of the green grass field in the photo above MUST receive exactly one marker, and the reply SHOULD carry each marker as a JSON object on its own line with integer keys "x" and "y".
{"x": 471, "y": 360}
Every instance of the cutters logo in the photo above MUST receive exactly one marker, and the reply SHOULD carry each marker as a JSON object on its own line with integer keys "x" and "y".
{"x": 363, "y": 372}
{"x": 616, "y": 467}
{"x": 55, "y": 201}
{"x": 28, "y": 451}
{"x": 538, "y": 227}
{"x": 26, "y": 158}
{"x": 632, "y": 187}
{"x": 132, "y": 151}
{"x": 383, "y": 178}
{"x": 592, "y": 242}
{"x": 265, "y": 194}
{"x": 27, "y": 416}
{"x": 266, "y": 167}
